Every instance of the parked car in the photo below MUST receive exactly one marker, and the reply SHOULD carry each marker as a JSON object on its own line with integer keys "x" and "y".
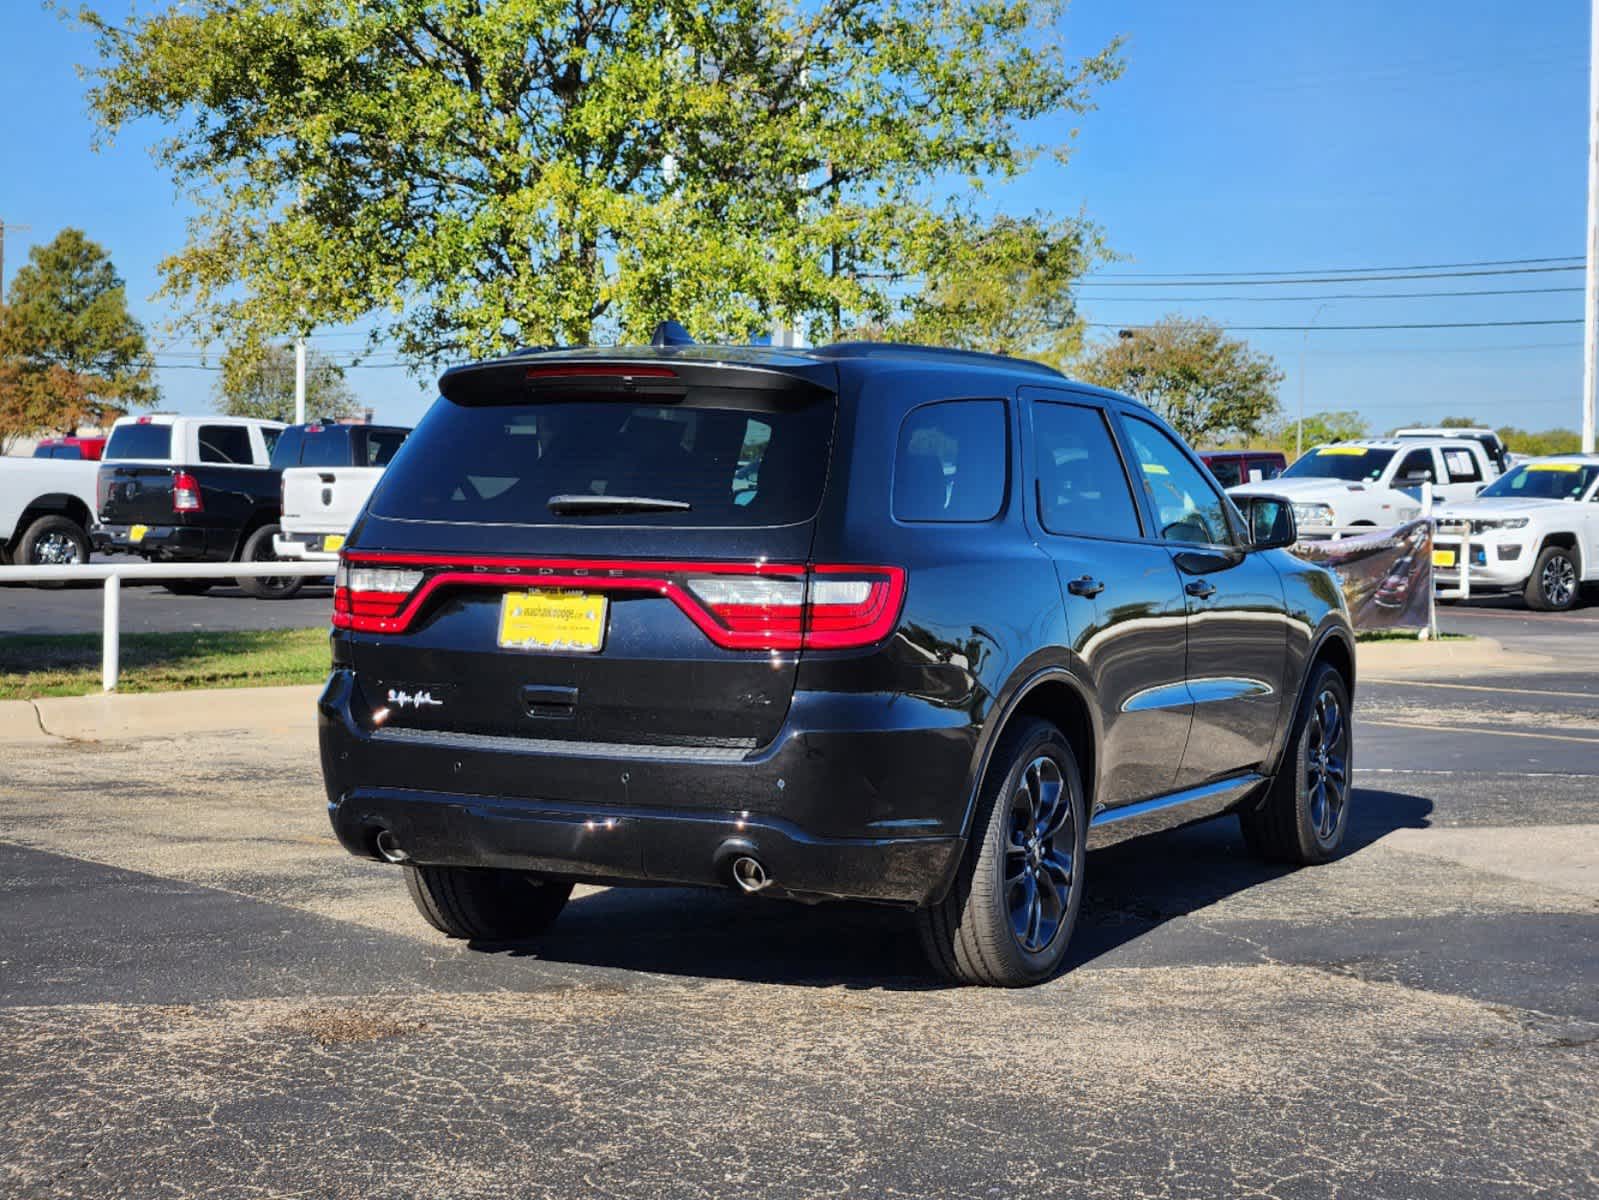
{"x": 938, "y": 647}
{"x": 77, "y": 448}
{"x": 46, "y": 508}
{"x": 1501, "y": 458}
{"x": 192, "y": 489}
{"x": 1233, "y": 467}
{"x": 1374, "y": 482}
{"x": 1533, "y": 531}
{"x": 328, "y": 472}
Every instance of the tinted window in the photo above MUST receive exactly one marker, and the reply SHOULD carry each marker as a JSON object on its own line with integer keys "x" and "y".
{"x": 1545, "y": 481}
{"x": 1352, "y": 463}
{"x": 1264, "y": 468}
{"x": 950, "y": 465}
{"x": 1417, "y": 462}
{"x": 736, "y": 458}
{"x": 286, "y": 451}
{"x": 1462, "y": 466}
{"x": 139, "y": 441}
{"x": 378, "y": 446}
{"x": 270, "y": 436}
{"x": 225, "y": 444}
{"x": 1228, "y": 471}
{"x": 1082, "y": 487}
{"x": 326, "y": 446}
{"x": 1187, "y": 507}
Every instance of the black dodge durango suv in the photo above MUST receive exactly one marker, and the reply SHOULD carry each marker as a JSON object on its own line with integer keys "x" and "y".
{"x": 864, "y": 621}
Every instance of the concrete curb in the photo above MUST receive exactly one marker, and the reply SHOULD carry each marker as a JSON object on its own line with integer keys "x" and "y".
{"x": 1423, "y": 660}
{"x": 160, "y": 714}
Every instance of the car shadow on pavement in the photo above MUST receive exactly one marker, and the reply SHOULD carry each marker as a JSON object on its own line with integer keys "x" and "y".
{"x": 1132, "y": 889}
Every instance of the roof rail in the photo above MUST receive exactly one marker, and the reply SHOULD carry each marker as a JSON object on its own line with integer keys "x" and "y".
{"x": 904, "y": 350}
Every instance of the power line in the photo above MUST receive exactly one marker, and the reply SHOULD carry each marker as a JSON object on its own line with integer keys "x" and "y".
{"x": 1485, "y": 262}
{"x": 1336, "y": 328}
{"x": 1249, "y": 281}
{"x": 1542, "y": 291}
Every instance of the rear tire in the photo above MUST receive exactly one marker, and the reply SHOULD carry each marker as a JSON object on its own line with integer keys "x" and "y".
{"x": 1553, "y": 586}
{"x": 189, "y": 587}
{"x": 484, "y": 904}
{"x": 1306, "y": 811}
{"x": 53, "y": 542}
{"x": 1008, "y": 917}
{"x": 258, "y": 548}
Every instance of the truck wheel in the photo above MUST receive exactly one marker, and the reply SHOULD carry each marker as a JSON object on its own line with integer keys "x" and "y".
{"x": 189, "y": 587}
{"x": 484, "y": 904}
{"x": 1306, "y": 811}
{"x": 258, "y": 548}
{"x": 1008, "y": 917}
{"x": 1552, "y": 586}
{"x": 53, "y": 542}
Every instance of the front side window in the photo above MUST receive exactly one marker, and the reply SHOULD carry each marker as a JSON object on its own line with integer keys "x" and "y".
{"x": 1416, "y": 466}
{"x": 1264, "y": 468}
{"x": 1227, "y": 471}
{"x": 225, "y": 444}
{"x": 1187, "y": 507}
{"x": 951, "y": 462}
{"x": 1082, "y": 487}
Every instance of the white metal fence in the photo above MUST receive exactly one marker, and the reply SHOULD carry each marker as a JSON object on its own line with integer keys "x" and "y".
{"x": 114, "y": 573}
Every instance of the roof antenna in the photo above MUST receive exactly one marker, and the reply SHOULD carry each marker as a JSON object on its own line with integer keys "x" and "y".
{"x": 671, "y": 333}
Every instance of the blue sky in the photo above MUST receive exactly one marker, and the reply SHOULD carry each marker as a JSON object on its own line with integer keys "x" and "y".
{"x": 1243, "y": 137}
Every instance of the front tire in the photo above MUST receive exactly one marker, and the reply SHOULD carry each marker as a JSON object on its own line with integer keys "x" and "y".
{"x": 1008, "y": 917}
{"x": 258, "y": 548}
{"x": 1552, "y": 586}
{"x": 483, "y": 903}
{"x": 1306, "y": 811}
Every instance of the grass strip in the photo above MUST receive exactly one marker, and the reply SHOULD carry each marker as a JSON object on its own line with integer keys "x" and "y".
{"x": 32, "y": 667}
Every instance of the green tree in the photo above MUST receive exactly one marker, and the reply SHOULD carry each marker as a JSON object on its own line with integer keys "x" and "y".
{"x": 257, "y": 380}
{"x": 1459, "y": 423}
{"x": 478, "y": 174}
{"x": 1547, "y": 441}
{"x": 1320, "y": 428}
{"x": 70, "y": 352}
{"x": 1210, "y": 387}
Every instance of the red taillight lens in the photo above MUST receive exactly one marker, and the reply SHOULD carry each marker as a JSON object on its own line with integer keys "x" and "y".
{"x": 185, "y": 493}
{"x": 738, "y": 606}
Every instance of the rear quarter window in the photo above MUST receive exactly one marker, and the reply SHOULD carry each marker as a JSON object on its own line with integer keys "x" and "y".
{"x": 735, "y": 458}
{"x": 139, "y": 442}
{"x": 952, "y": 462}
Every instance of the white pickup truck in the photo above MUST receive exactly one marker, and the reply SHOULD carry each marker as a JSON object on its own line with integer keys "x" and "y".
{"x": 1533, "y": 531}
{"x": 1375, "y": 482}
{"x": 46, "y": 509}
{"x": 328, "y": 472}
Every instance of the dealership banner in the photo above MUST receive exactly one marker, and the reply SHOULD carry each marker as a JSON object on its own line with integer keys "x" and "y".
{"x": 1386, "y": 576}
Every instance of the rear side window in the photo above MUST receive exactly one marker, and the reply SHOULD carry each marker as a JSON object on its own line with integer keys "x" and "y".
{"x": 326, "y": 446}
{"x": 225, "y": 444}
{"x": 378, "y": 446}
{"x": 139, "y": 441}
{"x": 1462, "y": 466}
{"x": 734, "y": 457}
{"x": 951, "y": 462}
{"x": 1082, "y": 488}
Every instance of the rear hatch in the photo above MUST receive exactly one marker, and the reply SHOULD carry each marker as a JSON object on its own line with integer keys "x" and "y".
{"x": 135, "y": 481}
{"x": 594, "y": 552}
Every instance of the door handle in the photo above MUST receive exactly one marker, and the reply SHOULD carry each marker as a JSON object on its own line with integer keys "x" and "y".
{"x": 1204, "y": 589}
{"x": 1086, "y": 586}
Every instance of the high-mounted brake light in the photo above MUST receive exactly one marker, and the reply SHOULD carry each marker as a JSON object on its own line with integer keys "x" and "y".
{"x": 186, "y": 493}
{"x": 738, "y": 606}
{"x": 599, "y": 371}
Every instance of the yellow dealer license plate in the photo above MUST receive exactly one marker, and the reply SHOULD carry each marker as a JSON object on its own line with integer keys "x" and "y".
{"x": 1443, "y": 558}
{"x": 136, "y": 532}
{"x": 332, "y": 542}
{"x": 552, "y": 620}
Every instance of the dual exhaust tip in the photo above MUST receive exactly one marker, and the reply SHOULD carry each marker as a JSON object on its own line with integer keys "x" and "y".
{"x": 749, "y": 874}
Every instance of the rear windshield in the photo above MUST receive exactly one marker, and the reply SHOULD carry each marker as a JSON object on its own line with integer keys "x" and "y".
{"x": 139, "y": 441}
{"x": 1353, "y": 463}
{"x": 735, "y": 458}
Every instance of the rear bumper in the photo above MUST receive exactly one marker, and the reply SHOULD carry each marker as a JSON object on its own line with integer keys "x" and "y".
{"x": 165, "y": 543}
{"x": 303, "y": 546}
{"x": 802, "y": 806}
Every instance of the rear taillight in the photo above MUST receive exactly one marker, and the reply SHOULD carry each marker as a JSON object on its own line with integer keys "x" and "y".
{"x": 185, "y": 493}
{"x": 102, "y": 492}
{"x": 738, "y": 606}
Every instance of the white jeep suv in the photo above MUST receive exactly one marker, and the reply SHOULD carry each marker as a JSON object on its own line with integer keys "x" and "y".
{"x": 1535, "y": 531}
{"x": 1375, "y": 482}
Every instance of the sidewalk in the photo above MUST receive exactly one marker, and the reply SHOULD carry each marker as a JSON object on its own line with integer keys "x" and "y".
{"x": 114, "y": 717}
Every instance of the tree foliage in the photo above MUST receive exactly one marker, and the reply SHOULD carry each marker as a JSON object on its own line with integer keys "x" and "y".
{"x": 70, "y": 352}
{"x": 257, "y": 380}
{"x": 484, "y": 173}
{"x": 1210, "y": 387}
{"x": 1546, "y": 441}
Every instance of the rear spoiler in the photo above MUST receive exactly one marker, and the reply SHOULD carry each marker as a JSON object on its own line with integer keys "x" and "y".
{"x": 665, "y": 378}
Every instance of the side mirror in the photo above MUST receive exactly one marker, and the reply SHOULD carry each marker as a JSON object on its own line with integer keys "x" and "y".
{"x": 1414, "y": 479}
{"x": 1271, "y": 521}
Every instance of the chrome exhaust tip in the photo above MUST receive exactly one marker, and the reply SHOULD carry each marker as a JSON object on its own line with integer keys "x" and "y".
{"x": 750, "y": 876}
{"x": 388, "y": 849}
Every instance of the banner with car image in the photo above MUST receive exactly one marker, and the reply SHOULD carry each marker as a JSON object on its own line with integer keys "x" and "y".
{"x": 1386, "y": 576}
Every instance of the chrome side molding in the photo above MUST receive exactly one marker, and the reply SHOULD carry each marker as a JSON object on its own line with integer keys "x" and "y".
{"x": 1112, "y": 825}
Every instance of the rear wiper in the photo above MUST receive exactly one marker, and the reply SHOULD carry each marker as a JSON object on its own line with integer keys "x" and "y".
{"x": 614, "y": 504}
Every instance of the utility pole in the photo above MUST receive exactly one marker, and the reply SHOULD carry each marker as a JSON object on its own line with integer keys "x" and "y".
{"x": 1590, "y": 339}
{"x": 22, "y": 228}
{"x": 299, "y": 375}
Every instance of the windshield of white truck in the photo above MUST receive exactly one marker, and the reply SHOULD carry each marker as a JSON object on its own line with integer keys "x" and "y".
{"x": 1356, "y": 464}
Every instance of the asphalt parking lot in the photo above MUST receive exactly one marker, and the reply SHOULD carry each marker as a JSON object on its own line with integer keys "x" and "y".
{"x": 200, "y": 995}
